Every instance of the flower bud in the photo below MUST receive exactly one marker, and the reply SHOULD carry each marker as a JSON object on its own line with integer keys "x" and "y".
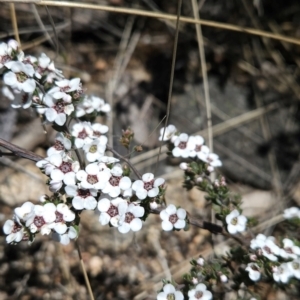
{"x": 183, "y": 166}
{"x": 200, "y": 261}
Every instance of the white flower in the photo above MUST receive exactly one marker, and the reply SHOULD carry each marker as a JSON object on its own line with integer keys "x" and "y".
{"x": 6, "y": 52}
{"x": 100, "y": 105}
{"x": 282, "y": 273}
{"x": 57, "y": 110}
{"x": 25, "y": 213}
{"x": 180, "y": 143}
{"x": 294, "y": 267}
{"x": 197, "y": 148}
{"x": 83, "y": 134}
{"x": 148, "y": 186}
{"x": 99, "y": 130}
{"x": 44, "y": 64}
{"x": 20, "y": 76}
{"x": 82, "y": 198}
{"x": 63, "y": 214}
{"x": 169, "y": 133}
{"x": 213, "y": 161}
{"x": 200, "y": 292}
{"x": 14, "y": 231}
{"x": 254, "y": 271}
{"x": 266, "y": 244}
{"x": 292, "y": 212}
{"x": 169, "y": 292}
{"x": 19, "y": 98}
{"x": 108, "y": 160}
{"x": 289, "y": 250}
{"x": 110, "y": 210}
{"x": 44, "y": 217}
{"x": 92, "y": 177}
{"x": 66, "y": 86}
{"x": 96, "y": 149}
{"x": 64, "y": 238}
{"x": 130, "y": 220}
{"x": 173, "y": 218}
{"x": 200, "y": 261}
{"x": 117, "y": 182}
{"x": 223, "y": 278}
{"x": 236, "y": 222}
{"x": 60, "y": 169}
{"x": 61, "y": 145}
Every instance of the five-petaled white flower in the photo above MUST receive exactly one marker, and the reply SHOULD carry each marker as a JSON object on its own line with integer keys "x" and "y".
{"x": 110, "y": 210}
{"x": 130, "y": 219}
{"x": 57, "y": 110}
{"x": 148, "y": 186}
{"x": 19, "y": 98}
{"x": 25, "y": 213}
{"x": 200, "y": 292}
{"x": 44, "y": 64}
{"x": 168, "y": 133}
{"x": 14, "y": 231}
{"x": 212, "y": 160}
{"x": 82, "y": 198}
{"x": 254, "y": 271}
{"x": 83, "y": 134}
{"x": 267, "y": 246}
{"x": 289, "y": 250}
{"x": 61, "y": 145}
{"x": 180, "y": 143}
{"x": 96, "y": 149}
{"x": 169, "y": 292}
{"x": 92, "y": 177}
{"x": 294, "y": 267}
{"x": 197, "y": 148}
{"x": 64, "y": 238}
{"x": 116, "y": 182}
{"x": 20, "y": 76}
{"x": 6, "y": 52}
{"x": 173, "y": 218}
{"x": 236, "y": 222}
{"x": 282, "y": 273}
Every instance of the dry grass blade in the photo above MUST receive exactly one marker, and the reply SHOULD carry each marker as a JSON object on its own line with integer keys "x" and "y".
{"x": 164, "y": 16}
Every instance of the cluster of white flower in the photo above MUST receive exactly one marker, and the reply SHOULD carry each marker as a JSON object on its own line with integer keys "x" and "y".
{"x": 265, "y": 247}
{"x": 30, "y": 219}
{"x": 32, "y": 81}
{"x": 186, "y": 146}
{"x": 291, "y": 213}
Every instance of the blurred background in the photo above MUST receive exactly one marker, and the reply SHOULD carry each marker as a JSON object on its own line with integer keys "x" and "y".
{"x": 126, "y": 60}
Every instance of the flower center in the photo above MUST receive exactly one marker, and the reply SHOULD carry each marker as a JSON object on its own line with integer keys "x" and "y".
{"x": 234, "y": 221}
{"x": 173, "y": 218}
{"x": 25, "y": 98}
{"x": 17, "y": 227}
{"x": 115, "y": 180}
{"x": 254, "y": 268}
{"x": 113, "y": 211}
{"x": 97, "y": 133}
{"x": 267, "y": 249}
{"x": 64, "y": 88}
{"x": 149, "y": 185}
{"x": 39, "y": 221}
{"x": 92, "y": 179}
{"x": 59, "y": 217}
{"x": 171, "y": 297}
{"x": 82, "y": 134}
{"x": 83, "y": 193}
{"x": 59, "y": 107}
{"x": 58, "y": 145}
{"x": 296, "y": 265}
{"x": 4, "y": 59}
{"x": 66, "y": 167}
{"x": 93, "y": 149}
{"x": 198, "y": 148}
{"x": 182, "y": 145}
{"x": 21, "y": 76}
{"x": 198, "y": 295}
{"x": 129, "y": 217}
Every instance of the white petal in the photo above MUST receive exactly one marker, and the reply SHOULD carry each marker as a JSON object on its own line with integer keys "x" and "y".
{"x": 167, "y": 225}
{"x": 104, "y": 218}
{"x": 69, "y": 178}
{"x": 104, "y": 205}
{"x": 125, "y": 183}
{"x": 71, "y": 190}
{"x": 138, "y": 184}
{"x": 181, "y": 213}
{"x": 90, "y": 203}
{"x": 29, "y": 86}
{"x": 60, "y": 119}
{"x": 136, "y": 224}
{"x": 153, "y": 192}
{"x": 148, "y": 177}
{"x": 60, "y": 228}
{"x": 171, "y": 209}
{"x": 141, "y": 194}
{"x": 179, "y": 224}
{"x": 158, "y": 182}
{"x": 124, "y": 228}
{"x": 77, "y": 203}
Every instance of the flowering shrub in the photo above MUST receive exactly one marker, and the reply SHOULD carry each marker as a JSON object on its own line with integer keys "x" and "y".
{"x": 81, "y": 176}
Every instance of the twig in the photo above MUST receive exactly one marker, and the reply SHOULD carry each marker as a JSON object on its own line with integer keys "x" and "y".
{"x": 171, "y": 77}
{"x": 14, "y": 23}
{"x": 87, "y": 282}
{"x": 126, "y": 160}
{"x": 17, "y": 151}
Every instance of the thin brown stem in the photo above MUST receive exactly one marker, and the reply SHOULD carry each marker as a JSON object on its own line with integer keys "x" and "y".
{"x": 86, "y": 278}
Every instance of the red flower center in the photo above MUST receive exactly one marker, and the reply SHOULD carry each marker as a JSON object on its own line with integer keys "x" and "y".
{"x": 173, "y": 218}
{"x": 66, "y": 167}
{"x": 115, "y": 180}
{"x": 113, "y": 211}
{"x": 92, "y": 179}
